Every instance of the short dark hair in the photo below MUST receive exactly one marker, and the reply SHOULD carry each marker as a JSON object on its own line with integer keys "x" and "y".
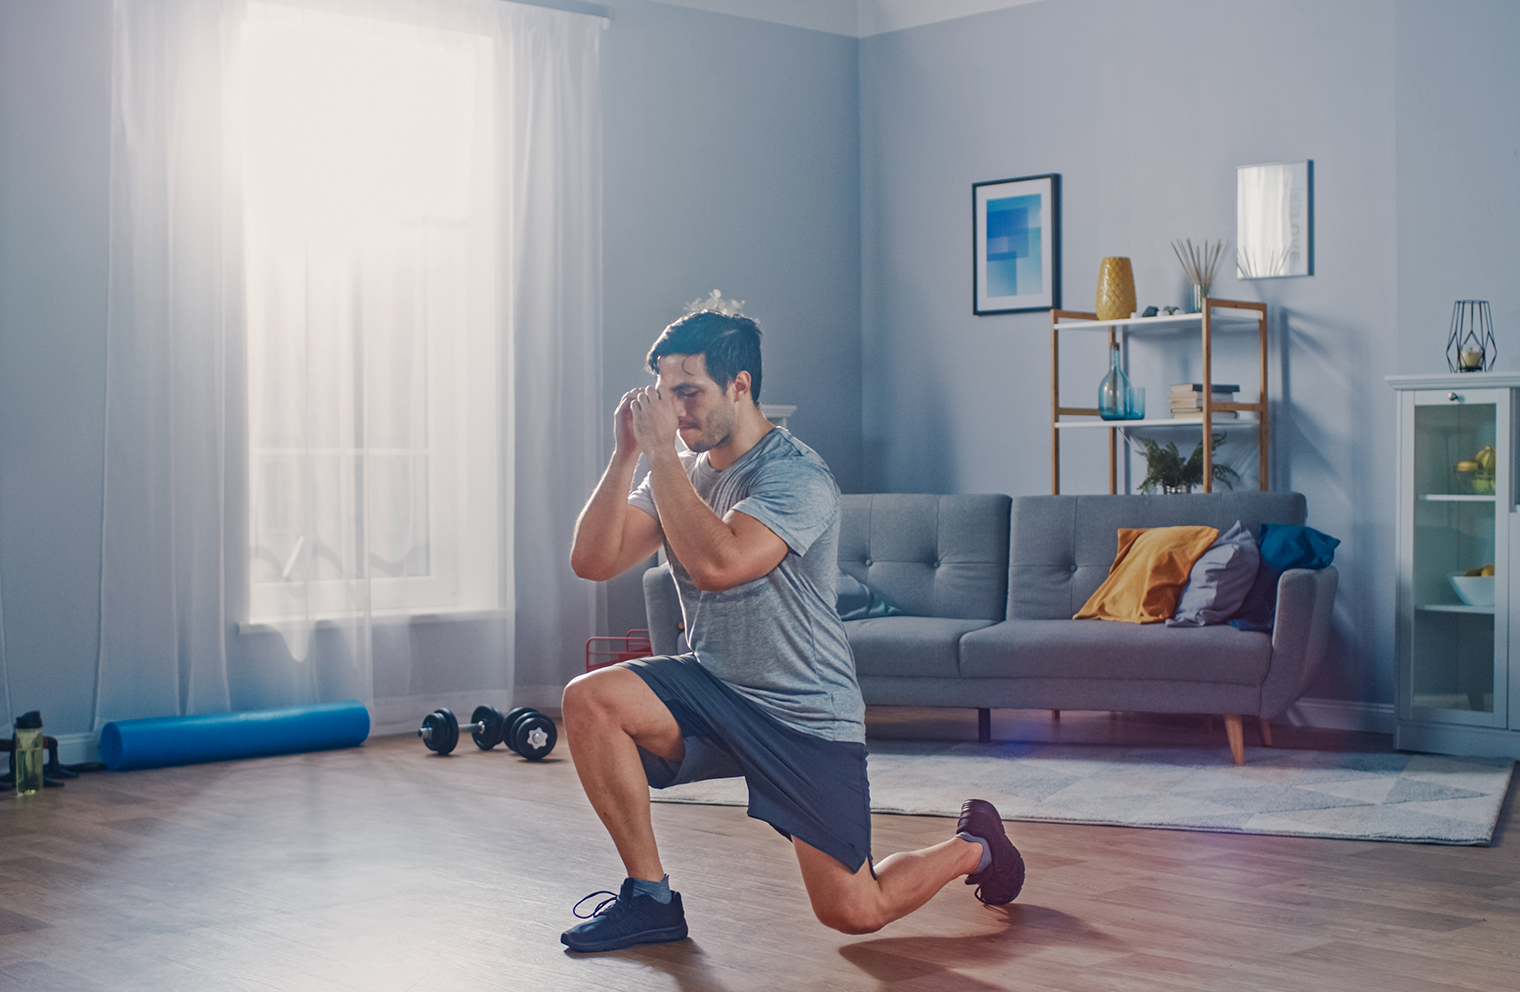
{"x": 728, "y": 346}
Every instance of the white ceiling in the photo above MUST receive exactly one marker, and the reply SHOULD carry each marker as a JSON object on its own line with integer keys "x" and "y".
{"x": 856, "y": 18}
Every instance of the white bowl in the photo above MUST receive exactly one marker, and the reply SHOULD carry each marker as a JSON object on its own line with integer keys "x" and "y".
{"x": 1474, "y": 590}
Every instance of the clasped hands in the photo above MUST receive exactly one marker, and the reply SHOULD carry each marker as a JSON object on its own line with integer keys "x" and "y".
{"x": 646, "y": 420}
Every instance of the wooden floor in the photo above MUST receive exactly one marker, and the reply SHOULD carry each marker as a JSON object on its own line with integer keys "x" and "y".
{"x": 386, "y": 868}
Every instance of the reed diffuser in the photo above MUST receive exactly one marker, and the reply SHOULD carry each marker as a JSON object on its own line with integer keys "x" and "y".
{"x": 1200, "y": 263}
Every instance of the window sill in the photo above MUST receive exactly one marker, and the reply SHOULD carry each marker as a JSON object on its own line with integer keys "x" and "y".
{"x": 378, "y": 619}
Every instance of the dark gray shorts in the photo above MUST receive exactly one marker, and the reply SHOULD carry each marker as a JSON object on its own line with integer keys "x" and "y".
{"x": 806, "y": 787}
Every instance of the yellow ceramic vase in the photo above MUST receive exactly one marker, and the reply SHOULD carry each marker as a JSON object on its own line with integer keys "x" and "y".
{"x": 1116, "y": 289}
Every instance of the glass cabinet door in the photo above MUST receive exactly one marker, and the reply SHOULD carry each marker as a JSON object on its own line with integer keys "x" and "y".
{"x": 1455, "y": 666}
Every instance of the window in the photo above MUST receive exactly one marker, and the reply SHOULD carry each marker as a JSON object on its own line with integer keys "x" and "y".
{"x": 371, "y": 273}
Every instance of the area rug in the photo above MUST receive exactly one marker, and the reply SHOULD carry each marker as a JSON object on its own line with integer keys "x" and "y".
{"x": 1414, "y": 798}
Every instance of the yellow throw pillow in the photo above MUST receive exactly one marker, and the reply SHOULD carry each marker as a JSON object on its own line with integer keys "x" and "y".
{"x": 1147, "y": 576}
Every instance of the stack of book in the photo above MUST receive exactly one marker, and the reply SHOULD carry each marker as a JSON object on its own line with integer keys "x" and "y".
{"x": 1187, "y": 399}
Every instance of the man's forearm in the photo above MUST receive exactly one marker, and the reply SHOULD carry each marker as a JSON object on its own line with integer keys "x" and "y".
{"x": 598, "y": 546}
{"x": 698, "y": 536}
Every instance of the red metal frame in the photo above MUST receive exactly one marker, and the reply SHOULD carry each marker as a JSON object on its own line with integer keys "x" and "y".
{"x": 604, "y": 651}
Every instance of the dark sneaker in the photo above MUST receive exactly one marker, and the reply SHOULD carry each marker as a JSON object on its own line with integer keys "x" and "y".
{"x": 1001, "y": 880}
{"x": 626, "y": 919}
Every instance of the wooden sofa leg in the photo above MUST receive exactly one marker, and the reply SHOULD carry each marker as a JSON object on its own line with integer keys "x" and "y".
{"x": 1265, "y": 726}
{"x": 984, "y": 725}
{"x": 1055, "y": 714}
{"x": 1236, "y": 733}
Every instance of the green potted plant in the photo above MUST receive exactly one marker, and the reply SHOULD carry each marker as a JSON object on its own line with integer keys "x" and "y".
{"x": 1166, "y": 470}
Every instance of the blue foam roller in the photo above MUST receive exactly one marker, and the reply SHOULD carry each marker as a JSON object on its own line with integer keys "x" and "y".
{"x": 157, "y": 742}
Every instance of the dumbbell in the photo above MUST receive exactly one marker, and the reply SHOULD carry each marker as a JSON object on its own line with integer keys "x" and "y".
{"x": 440, "y": 729}
{"x": 530, "y": 733}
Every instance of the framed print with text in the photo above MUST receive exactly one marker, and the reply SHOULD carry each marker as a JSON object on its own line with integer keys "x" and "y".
{"x": 1016, "y": 243}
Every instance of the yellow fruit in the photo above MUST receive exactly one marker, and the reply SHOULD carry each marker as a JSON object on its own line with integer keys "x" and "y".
{"x": 1487, "y": 457}
{"x": 1486, "y": 570}
{"x": 1473, "y": 573}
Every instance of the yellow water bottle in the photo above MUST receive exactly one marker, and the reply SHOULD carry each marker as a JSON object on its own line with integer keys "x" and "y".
{"x": 26, "y": 751}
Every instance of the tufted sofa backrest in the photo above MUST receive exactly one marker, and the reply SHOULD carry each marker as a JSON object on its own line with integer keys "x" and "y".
{"x": 933, "y": 556}
{"x": 1063, "y": 546}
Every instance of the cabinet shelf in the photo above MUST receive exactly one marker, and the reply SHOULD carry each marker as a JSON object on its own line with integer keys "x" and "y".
{"x": 1454, "y": 608}
{"x": 1455, "y": 498}
{"x": 1246, "y": 316}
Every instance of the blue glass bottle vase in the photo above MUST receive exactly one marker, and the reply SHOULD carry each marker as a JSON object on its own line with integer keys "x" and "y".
{"x": 1114, "y": 391}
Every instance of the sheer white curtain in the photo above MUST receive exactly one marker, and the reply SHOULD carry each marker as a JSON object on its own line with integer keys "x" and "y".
{"x": 353, "y": 351}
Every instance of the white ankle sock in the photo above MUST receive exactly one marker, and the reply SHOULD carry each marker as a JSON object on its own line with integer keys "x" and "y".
{"x": 986, "y": 850}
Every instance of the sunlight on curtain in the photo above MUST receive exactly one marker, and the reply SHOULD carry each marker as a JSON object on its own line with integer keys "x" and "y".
{"x": 370, "y": 259}
{"x": 353, "y": 353}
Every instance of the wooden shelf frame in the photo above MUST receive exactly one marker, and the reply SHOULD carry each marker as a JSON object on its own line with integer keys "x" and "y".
{"x": 1078, "y": 320}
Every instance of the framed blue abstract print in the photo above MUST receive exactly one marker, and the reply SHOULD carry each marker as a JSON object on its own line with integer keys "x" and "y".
{"x": 1016, "y": 241}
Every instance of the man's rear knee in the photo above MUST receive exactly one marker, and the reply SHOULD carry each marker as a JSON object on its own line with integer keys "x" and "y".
{"x": 849, "y": 918}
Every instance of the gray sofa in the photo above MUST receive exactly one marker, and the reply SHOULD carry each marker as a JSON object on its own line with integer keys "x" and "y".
{"x": 989, "y": 584}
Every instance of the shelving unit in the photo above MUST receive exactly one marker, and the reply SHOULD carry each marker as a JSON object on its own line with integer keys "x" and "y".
{"x": 1207, "y": 323}
{"x": 1458, "y": 688}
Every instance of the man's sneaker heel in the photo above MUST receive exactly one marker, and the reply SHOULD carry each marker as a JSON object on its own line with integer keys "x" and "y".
{"x": 999, "y": 883}
{"x": 625, "y": 919}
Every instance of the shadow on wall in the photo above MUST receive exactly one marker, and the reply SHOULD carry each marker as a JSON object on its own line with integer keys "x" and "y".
{"x": 1333, "y": 438}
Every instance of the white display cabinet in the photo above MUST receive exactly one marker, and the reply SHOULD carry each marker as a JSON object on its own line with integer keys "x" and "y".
{"x": 1458, "y": 689}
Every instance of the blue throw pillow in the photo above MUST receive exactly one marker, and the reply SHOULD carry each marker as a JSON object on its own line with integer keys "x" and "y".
{"x": 1219, "y": 581}
{"x": 858, "y": 601}
{"x": 1283, "y": 546}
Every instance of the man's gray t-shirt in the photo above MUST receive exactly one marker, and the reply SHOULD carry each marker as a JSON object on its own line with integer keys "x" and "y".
{"x": 777, "y": 640}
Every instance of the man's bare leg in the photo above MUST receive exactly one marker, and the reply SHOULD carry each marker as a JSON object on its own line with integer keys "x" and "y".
{"x": 609, "y": 714}
{"x": 854, "y": 902}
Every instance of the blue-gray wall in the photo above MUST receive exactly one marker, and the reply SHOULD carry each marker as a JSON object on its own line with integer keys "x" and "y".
{"x": 55, "y": 81}
{"x": 1410, "y": 115}
{"x": 732, "y": 162}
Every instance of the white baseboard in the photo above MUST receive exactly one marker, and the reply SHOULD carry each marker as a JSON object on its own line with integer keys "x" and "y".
{"x": 1341, "y": 714}
{"x": 74, "y": 749}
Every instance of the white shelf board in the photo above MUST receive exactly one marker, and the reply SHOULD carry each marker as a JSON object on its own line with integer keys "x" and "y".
{"x": 1154, "y": 323}
{"x": 1190, "y": 422}
{"x": 1454, "y": 608}
{"x": 1455, "y": 498}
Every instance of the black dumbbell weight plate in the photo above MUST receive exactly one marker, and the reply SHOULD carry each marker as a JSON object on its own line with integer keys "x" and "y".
{"x": 509, "y": 728}
{"x": 442, "y": 731}
{"x": 534, "y": 736}
{"x": 492, "y": 726}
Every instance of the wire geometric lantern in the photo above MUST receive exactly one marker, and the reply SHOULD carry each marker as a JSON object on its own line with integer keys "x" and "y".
{"x": 1470, "y": 347}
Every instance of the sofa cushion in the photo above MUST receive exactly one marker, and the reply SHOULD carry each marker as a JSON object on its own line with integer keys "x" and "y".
{"x": 913, "y": 646}
{"x": 1063, "y": 545}
{"x": 933, "y": 556}
{"x": 1082, "y": 649}
{"x": 1148, "y": 574}
{"x": 1220, "y": 580}
{"x": 1282, "y": 548}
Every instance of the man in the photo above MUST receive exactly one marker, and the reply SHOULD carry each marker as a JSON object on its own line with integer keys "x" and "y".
{"x": 749, "y": 518}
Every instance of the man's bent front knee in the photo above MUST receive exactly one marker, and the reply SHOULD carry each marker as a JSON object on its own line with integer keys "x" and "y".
{"x": 615, "y": 698}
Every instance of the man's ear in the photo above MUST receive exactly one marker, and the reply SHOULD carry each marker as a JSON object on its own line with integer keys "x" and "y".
{"x": 740, "y": 385}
